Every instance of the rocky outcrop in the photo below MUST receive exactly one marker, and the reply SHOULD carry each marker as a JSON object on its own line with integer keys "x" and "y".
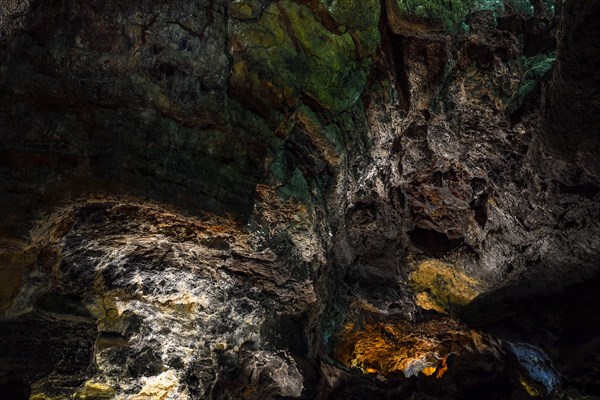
{"x": 285, "y": 199}
{"x": 149, "y": 299}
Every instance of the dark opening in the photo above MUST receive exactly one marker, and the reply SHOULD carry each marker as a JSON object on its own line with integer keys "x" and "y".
{"x": 433, "y": 242}
{"x": 479, "y": 207}
{"x": 400, "y": 66}
{"x": 586, "y": 190}
{"x": 15, "y": 389}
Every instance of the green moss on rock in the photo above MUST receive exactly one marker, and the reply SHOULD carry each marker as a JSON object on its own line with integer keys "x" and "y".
{"x": 450, "y": 16}
{"x": 244, "y": 10}
{"x": 521, "y": 7}
{"x": 443, "y": 15}
{"x": 286, "y": 52}
{"x": 359, "y": 16}
{"x": 536, "y": 69}
{"x": 538, "y": 66}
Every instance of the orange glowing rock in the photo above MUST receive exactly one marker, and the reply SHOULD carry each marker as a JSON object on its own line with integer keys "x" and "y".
{"x": 390, "y": 348}
{"x": 441, "y": 370}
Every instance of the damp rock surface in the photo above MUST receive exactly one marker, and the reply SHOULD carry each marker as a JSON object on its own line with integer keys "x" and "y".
{"x": 256, "y": 199}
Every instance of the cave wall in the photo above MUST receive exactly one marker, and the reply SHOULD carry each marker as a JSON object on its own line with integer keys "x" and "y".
{"x": 235, "y": 199}
{"x": 571, "y": 122}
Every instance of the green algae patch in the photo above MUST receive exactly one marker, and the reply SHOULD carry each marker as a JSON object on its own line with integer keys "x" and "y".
{"x": 295, "y": 186}
{"x": 361, "y": 18}
{"x": 538, "y": 66}
{"x": 521, "y": 7}
{"x": 449, "y": 16}
{"x": 287, "y": 53}
{"x": 245, "y": 9}
{"x": 325, "y": 138}
{"x": 536, "y": 69}
{"x": 429, "y": 15}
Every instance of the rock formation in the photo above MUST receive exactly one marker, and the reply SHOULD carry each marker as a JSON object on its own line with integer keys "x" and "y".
{"x": 318, "y": 199}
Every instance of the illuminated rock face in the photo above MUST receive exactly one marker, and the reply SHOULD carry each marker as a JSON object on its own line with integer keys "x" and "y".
{"x": 258, "y": 199}
{"x": 405, "y": 349}
{"x": 158, "y": 299}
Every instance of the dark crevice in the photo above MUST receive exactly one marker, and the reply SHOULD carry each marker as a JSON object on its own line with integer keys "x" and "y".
{"x": 401, "y": 76}
{"x": 15, "y": 389}
{"x": 433, "y": 242}
{"x": 586, "y": 190}
{"x": 479, "y": 207}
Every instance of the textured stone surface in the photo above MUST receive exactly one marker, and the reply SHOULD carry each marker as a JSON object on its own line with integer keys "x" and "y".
{"x": 159, "y": 299}
{"x": 299, "y": 199}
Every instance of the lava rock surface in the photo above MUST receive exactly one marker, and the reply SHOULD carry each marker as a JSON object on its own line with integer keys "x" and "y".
{"x": 259, "y": 199}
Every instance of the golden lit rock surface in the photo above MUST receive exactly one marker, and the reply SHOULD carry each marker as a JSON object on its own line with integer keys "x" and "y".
{"x": 158, "y": 388}
{"x": 442, "y": 286}
{"x": 530, "y": 388}
{"x": 393, "y": 347}
{"x": 146, "y": 291}
{"x": 94, "y": 391}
